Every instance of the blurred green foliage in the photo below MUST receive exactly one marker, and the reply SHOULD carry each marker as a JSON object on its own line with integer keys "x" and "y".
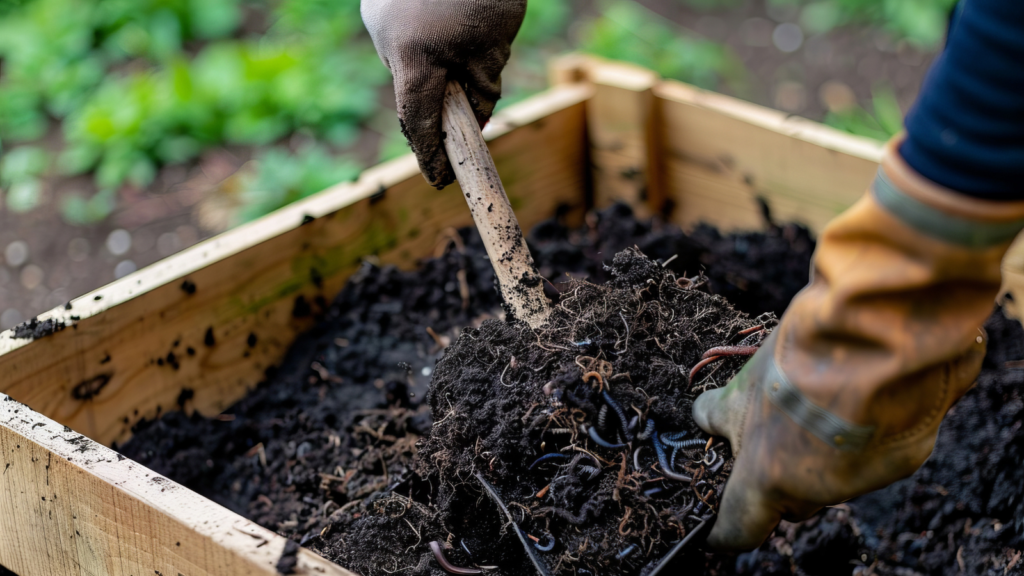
{"x": 118, "y": 88}
{"x": 883, "y": 121}
{"x": 920, "y": 22}
{"x": 142, "y": 83}
{"x": 628, "y": 31}
{"x": 284, "y": 177}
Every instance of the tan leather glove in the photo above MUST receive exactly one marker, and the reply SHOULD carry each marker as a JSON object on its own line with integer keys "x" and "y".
{"x": 847, "y": 394}
{"x": 426, "y": 43}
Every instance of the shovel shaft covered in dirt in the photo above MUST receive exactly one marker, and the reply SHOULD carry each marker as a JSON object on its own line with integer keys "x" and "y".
{"x": 521, "y": 285}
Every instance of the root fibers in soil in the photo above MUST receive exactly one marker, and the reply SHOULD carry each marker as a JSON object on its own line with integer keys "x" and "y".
{"x": 583, "y": 428}
{"x": 335, "y": 448}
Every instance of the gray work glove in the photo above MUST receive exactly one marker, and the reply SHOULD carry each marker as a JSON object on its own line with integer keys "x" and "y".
{"x": 426, "y": 43}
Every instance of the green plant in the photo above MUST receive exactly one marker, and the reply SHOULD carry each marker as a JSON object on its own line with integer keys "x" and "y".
{"x": 628, "y": 31}
{"x": 920, "y": 22}
{"x": 20, "y": 171}
{"x": 883, "y": 121}
{"x": 283, "y": 177}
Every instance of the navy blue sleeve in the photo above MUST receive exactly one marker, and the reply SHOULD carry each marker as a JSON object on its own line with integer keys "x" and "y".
{"x": 966, "y": 130}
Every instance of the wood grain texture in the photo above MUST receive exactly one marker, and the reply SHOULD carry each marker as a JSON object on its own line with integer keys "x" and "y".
{"x": 115, "y": 366}
{"x": 722, "y": 154}
{"x": 69, "y": 506}
{"x": 621, "y": 122}
{"x": 517, "y": 275}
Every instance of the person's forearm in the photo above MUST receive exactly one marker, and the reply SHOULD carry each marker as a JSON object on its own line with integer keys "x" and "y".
{"x": 966, "y": 131}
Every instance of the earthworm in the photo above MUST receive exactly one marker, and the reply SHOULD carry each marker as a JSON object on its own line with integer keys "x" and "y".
{"x": 714, "y": 457}
{"x": 750, "y": 330}
{"x": 546, "y": 457}
{"x": 636, "y": 457}
{"x": 663, "y": 460}
{"x": 648, "y": 428}
{"x": 718, "y": 466}
{"x": 623, "y": 421}
{"x": 652, "y": 491}
{"x": 592, "y": 432}
{"x": 588, "y": 456}
{"x": 632, "y": 423}
{"x": 600, "y": 379}
{"x": 691, "y": 443}
{"x": 701, "y": 364}
{"x": 626, "y": 552}
{"x": 464, "y": 547}
{"x": 547, "y": 547}
{"x": 602, "y": 417}
{"x": 730, "y": 351}
{"x": 673, "y": 439}
{"x": 435, "y": 547}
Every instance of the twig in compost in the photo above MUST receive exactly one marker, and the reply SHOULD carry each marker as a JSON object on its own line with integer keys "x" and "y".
{"x": 435, "y": 547}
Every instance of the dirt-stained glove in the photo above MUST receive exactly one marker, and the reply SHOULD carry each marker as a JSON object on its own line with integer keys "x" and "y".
{"x": 847, "y": 394}
{"x": 426, "y": 43}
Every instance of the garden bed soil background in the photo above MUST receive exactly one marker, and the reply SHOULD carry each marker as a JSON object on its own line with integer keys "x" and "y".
{"x": 312, "y": 452}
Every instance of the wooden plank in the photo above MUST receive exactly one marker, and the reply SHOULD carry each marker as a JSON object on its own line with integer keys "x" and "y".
{"x": 721, "y": 154}
{"x": 69, "y": 506}
{"x": 622, "y": 126}
{"x": 142, "y": 339}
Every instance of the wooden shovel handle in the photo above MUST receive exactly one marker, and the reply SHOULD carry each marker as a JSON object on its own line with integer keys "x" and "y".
{"x": 521, "y": 285}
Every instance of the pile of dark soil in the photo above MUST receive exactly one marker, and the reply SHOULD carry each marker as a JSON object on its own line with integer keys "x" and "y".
{"x": 312, "y": 452}
{"x": 339, "y": 420}
{"x": 582, "y": 428}
{"x": 756, "y": 271}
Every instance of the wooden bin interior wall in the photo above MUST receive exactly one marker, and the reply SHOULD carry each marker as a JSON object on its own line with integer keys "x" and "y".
{"x": 213, "y": 318}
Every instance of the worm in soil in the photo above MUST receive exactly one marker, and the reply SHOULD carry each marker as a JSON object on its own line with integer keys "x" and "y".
{"x": 729, "y": 351}
{"x": 648, "y": 428}
{"x": 663, "y": 460}
{"x": 701, "y": 364}
{"x": 674, "y": 439}
{"x": 435, "y": 547}
{"x": 626, "y": 552}
{"x": 546, "y": 458}
{"x": 548, "y": 547}
{"x": 592, "y": 432}
{"x": 623, "y": 421}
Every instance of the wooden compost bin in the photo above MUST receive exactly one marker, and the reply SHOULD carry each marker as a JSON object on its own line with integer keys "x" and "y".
{"x": 604, "y": 132}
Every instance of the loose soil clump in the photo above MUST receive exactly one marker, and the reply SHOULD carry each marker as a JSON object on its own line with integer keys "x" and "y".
{"x": 582, "y": 429}
{"x": 323, "y": 451}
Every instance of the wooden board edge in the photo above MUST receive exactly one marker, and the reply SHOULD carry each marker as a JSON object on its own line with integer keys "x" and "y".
{"x": 323, "y": 204}
{"x": 70, "y": 503}
{"x": 768, "y": 118}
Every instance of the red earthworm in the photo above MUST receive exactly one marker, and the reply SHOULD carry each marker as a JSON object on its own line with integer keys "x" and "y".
{"x": 730, "y": 351}
{"x": 435, "y": 546}
{"x": 750, "y": 330}
{"x": 701, "y": 364}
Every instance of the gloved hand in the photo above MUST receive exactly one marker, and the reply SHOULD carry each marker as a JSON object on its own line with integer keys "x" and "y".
{"x": 426, "y": 43}
{"x": 847, "y": 394}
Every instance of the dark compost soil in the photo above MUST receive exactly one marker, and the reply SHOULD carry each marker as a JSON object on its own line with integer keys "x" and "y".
{"x": 325, "y": 450}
